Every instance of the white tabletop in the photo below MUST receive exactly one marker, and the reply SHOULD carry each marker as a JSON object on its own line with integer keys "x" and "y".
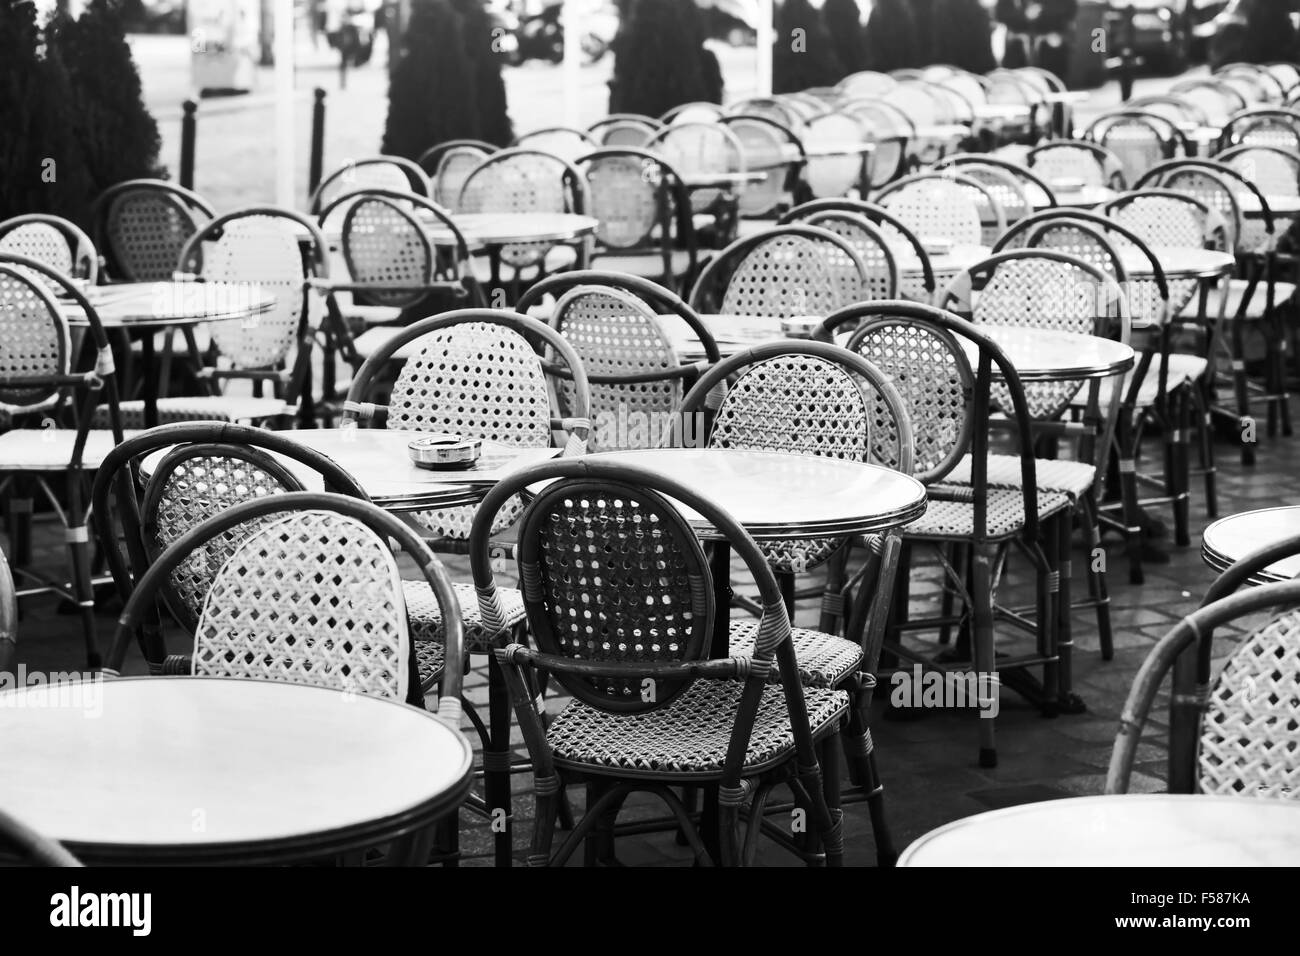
{"x": 170, "y": 304}
{"x": 192, "y": 768}
{"x": 1280, "y": 206}
{"x": 1120, "y": 830}
{"x": 1178, "y": 262}
{"x": 378, "y": 459}
{"x": 1231, "y": 538}
{"x": 502, "y": 228}
{"x": 1081, "y": 197}
{"x": 722, "y": 179}
{"x": 1048, "y": 355}
{"x": 775, "y": 495}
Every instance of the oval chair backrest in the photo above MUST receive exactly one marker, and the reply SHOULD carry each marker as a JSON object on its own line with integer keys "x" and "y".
{"x": 521, "y": 180}
{"x": 1247, "y": 746}
{"x": 190, "y": 484}
{"x": 871, "y": 243}
{"x": 936, "y": 207}
{"x": 257, "y": 250}
{"x": 792, "y": 275}
{"x": 568, "y": 144}
{"x": 765, "y": 150}
{"x": 454, "y": 167}
{"x": 630, "y": 194}
{"x": 387, "y": 172}
{"x": 34, "y": 340}
{"x": 616, "y": 333}
{"x": 311, "y": 598}
{"x": 1276, "y": 172}
{"x": 1213, "y": 190}
{"x": 146, "y": 228}
{"x": 1140, "y": 142}
{"x": 1161, "y": 220}
{"x": 1074, "y": 161}
{"x": 383, "y": 243}
{"x": 830, "y": 176}
{"x": 56, "y": 242}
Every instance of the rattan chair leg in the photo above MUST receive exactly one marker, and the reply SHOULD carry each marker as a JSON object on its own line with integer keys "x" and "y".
{"x": 1125, "y": 462}
{"x": 1205, "y": 443}
{"x": 1063, "y": 638}
{"x": 982, "y": 614}
{"x": 955, "y": 555}
{"x": 1180, "y": 467}
{"x": 1098, "y": 587}
{"x": 496, "y": 764}
{"x": 20, "y": 523}
{"x": 77, "y": 533}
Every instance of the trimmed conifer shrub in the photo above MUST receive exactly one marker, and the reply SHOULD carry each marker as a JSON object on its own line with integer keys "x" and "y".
{"x": 961, "y": 35}
{"x": 891, "y": 37}
{"x": 489, "y": 87}
{"x": 431, "y": 92}
{"x": 844, "y": 23}
{"x": 802, "y": 54}
{"x": 660, "y": 60}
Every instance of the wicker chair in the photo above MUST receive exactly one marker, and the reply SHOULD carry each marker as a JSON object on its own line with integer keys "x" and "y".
{"x": 1011, "y": 190}
{"x": 693, "y": 112}
{"x": 916, "y": 283}
{"x": 142, "y": 225}
{"x": 294, "y": 550}
{"x": 944, "y": 206}
{"x": 1275, "y": 172}
{"x": 1218, "y": 100}
{"x": 561, "y": 141}
{"x": 1234, "y": 735}
{"x": 1175, "y": 109}
{"x": 447, "y": 165}
{"x": 891, "y": 130}
{"x": 779, "y": 153}
{"x": 1262, "y": 126}
{"x": 865, "y": 84}
{"x": 1147, "y": 388}
{"x": 1140, "y": 138}
{"x": 31, "y": 848}
{"x": 1253, "y": 81}
{"x": 653, "y": 712}
{"x": 829, "y": 177}
{"x": 1286, "y": 74}
{"x": 526, "y": 180}
{"x": 616, "y": 325}
{"x": 38, "y": 381}
{"x": 279, "y": 251}
{"x": 373, "y": 172}
{"x": 644, "y": 211}
{"x": 698, "y": 148}
{"x": 870, "y": 242}
{"x": 816, "y": 399}
{"x": 918, "y": 348}
{"x": 619, "y": 130}
{"x": 1079, "y": 159}
{"x": 58, "y": 243}
{"x": 786, "y": 272}
{"x": 396, "y": 271}
{"x": 779, "y": 110}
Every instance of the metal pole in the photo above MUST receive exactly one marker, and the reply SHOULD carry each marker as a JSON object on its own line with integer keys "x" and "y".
{"x": 189, "y": 130}
{"x": 766, "y": 36}
{"x": 284, "y": 120}
{"x": 1127, "y": 65}
{"x": 315, "y": 168}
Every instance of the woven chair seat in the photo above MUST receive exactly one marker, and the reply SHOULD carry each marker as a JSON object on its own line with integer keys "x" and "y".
{"x": 50, "y": 449}
{"x": 649, "y": 265}
{"x": 1183, "y": 369}
{"x": 948, "y": 520}
{"x": 429, "y": 660}
{"x": 425, "y": 617}
{"x": 1282, "y": 292}
{"x": 1073, "y": 478}
{"x": 824, "y": 659}
{"x": 199, "y": 408}
{"x": 687, "y": 738}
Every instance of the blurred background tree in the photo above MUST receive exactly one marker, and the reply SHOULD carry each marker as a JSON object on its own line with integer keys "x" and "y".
{"x": 489, "y": 87}
{"x": 42, "y": 168}
{"x": 844, "y": 23}
{"x": 962, "y": 35}
{"x": 891, "y": 37}
{"x": 660, "y": 60}
{"x": 803, "y": 55}
{"x": 432, "y": 95}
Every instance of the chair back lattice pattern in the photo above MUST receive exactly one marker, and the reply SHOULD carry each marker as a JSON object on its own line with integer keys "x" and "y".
{"x": 56, "y": 242}
{"x": 1167, "y": 221}
{"x": 454, "y": 167}
{"x": 389, "y": 172}
{"x": 613, "y": 573}
{"x": 474, "y": 379}
{"x": 616, "y": 333}
{"x": 631, "y": 195}
{"x": 1068, "y": 161}
{"x": 791, "y": 275}
{"x": 1276, "y": 172}
{"x": 189, "y": 485}
{"x": 145, "y": 230}
{"x": 312, "y": 598}
{"x": 1279, "y": 130}
{"x": 521, "y": 180}
{"x": 1038, "y": 293}
{"x": 933, "y": 376}
{"x": 830, "y": 176}
{"x": 700, "y": 148}
{"x": 385, "y": 244}
{"x": 765, "y": 150}
{"x": 1215, "y": 99}
{"x": 258, "y": 250}
{"x": 627, "y": 130}
{"x": 1213, "y": 190}
{"x": 34, "y": 341}
{"x": 805, "y": 405}
{"x": 936, "y": 207}
{"x": 872, "y": 245}
{"x": 1249, "y": 734}
{"x": 1138, "y": 142}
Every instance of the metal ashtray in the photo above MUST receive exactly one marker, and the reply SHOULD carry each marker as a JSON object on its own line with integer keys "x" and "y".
{"x": 439, "y": 452}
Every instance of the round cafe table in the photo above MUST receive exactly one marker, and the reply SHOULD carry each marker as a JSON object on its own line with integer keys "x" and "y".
{"x": 1077, "y": 197}
{"x": 723, "y": 179}
{"x": 1282, "y": 207}
{"x": 1048, "y": 355}
{"x": 1230, "y": 539}
{"x": 1178, "y": 262}
{"x": 155, "y": 307}
{"x": 167, "y": 770}
{"x": 1120, "y": 830}
{"x": 494, "y": 229}
{"x": 378, "y": 459}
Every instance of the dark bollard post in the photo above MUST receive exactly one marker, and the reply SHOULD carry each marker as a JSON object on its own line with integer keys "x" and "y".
{"x": 189, "y": 129}
{"x": 316, "y": 167}
{"x": 1127, "y": 56}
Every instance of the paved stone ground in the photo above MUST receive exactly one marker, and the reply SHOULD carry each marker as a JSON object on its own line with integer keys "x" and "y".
{"x": 928, "y": 762}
